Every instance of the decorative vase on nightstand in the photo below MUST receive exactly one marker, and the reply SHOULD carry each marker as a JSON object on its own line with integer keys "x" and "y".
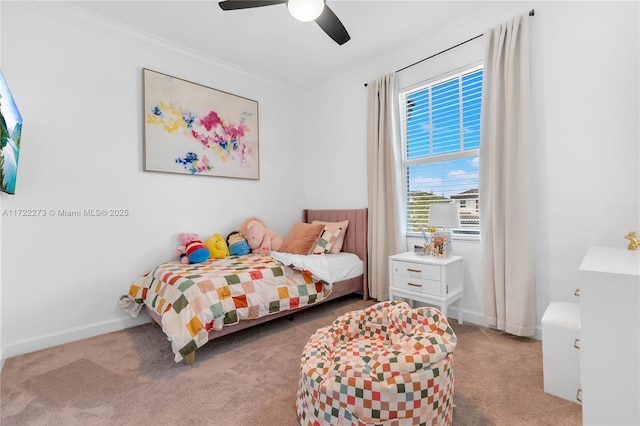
{"x": 428, "y": 244}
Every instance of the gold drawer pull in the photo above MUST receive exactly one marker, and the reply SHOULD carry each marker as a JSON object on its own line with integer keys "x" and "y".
{"x": 415, "y": 285}
{"x": 414, "y": 270}
{"x": 577, "y": 292}
{"x": 576, "y": 343}
{"x": 579, "y": 395}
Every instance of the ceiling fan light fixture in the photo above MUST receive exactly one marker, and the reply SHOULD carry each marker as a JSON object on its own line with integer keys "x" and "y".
{"x": 305, "y": 10}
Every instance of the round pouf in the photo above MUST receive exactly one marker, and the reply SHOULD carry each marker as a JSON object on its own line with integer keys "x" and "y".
{"x": 384, "y": 365}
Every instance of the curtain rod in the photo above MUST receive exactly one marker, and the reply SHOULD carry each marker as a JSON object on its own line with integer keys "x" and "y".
{"x": 532, "y": 12}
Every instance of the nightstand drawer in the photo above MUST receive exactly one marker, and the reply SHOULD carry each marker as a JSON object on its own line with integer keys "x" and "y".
{"x": 417, "y": 270}
{"x": 420, "y": 285}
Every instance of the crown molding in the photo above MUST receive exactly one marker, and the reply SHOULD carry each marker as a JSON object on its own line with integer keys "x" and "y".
{"x": 67, "y": 11}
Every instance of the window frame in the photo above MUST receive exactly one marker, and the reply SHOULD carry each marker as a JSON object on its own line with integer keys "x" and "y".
{"x": 458, "y": 233}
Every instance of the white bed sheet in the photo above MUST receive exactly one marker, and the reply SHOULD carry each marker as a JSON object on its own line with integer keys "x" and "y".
{"x": 330, "y": 268}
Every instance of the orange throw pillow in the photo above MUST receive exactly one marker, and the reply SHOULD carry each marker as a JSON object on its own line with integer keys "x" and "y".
{"x": 302, "y": 238}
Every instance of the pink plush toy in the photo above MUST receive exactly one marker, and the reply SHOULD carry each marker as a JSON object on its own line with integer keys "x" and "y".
{"x": 192, "y": 249}
{"x": 261, "y": 239}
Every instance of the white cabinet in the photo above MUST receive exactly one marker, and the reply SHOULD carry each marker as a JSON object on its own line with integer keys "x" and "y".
{"x": 427, "y": 279}
{"x": 610, "y": 336}
{"x": 561, "y": 350}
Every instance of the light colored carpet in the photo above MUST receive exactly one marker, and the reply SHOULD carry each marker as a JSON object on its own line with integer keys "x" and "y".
{"x": 250, "y": 378}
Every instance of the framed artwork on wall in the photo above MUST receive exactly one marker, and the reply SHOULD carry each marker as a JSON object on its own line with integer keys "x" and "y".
{"x": 10, "y": 134}
{"x": 193, "y": 129}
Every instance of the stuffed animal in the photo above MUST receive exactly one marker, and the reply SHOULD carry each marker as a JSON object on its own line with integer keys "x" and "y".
{"x": 260, "y": 238}
{"x": 238, "y": 246}
{"x": 192, "y": 250}
{"x": 217, "y": 247}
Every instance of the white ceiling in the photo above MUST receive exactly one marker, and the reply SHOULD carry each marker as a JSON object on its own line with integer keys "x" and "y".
{"x": 269, "y": 42}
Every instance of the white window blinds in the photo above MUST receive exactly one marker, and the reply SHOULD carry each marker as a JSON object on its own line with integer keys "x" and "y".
{"x": 441, "y": 140}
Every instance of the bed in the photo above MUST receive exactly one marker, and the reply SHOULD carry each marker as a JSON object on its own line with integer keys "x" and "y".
{"x": 196, "y": 303}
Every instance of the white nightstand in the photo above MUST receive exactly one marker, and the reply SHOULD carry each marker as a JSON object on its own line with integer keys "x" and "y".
{"x": 427, "y": 279}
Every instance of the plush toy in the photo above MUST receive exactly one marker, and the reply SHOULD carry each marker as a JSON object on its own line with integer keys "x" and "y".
{"x": 238, "y": 246}
{"x": 192, "y": 250}
{"x": 217, "y": 247}
{"x": 260, "y": 238}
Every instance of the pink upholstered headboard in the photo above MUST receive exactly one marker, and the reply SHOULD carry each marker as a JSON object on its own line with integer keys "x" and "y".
{"x": 356, "y": 237}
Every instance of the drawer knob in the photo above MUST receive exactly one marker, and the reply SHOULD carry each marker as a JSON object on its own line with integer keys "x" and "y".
{"x": 577, "y": 292}
{"x": 579, "y": 395}
{"x": 415, "y": 285}
{"x": 576, "y": 343}
{"x": 414, "y": 270}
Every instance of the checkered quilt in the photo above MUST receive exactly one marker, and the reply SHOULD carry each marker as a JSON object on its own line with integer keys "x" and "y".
{"x": 195, "y": 298}
{"x": 385, "y": 365}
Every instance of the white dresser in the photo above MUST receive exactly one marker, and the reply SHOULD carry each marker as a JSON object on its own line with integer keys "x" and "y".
{"x": 427, "y": 279}
{"x": 610, "y": 336}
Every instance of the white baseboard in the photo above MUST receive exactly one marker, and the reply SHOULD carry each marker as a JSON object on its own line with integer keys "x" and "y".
{"x": 477, "y": 318}
{"x": 68, "y": 336}
{"x": 469, "y": 317}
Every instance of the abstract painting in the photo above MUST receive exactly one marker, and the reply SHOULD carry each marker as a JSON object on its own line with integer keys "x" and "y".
{"x": 197, "y": 130}
{"x": 10, "y": 131}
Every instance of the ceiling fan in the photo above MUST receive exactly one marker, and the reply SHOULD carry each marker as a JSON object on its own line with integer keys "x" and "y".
{"x": 302, "y": 10}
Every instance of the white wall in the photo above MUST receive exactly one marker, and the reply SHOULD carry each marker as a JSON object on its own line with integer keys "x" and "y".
{"x": 78, "y": 85}
{"x": 585, "y": 114}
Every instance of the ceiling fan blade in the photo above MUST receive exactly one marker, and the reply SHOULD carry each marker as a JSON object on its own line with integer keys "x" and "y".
{"x": 331, "y": 25}
{"x": 246, "y": 4}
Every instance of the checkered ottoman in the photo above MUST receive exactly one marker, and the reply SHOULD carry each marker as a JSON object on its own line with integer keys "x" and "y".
{"x": 384, "y": 365}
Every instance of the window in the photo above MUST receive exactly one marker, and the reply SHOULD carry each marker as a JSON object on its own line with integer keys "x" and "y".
{"x": 441, "y": 141}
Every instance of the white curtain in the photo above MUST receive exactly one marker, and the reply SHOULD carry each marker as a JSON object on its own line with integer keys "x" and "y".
{"x": 384, "y": 156}
{"x": 507, "y": 266}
